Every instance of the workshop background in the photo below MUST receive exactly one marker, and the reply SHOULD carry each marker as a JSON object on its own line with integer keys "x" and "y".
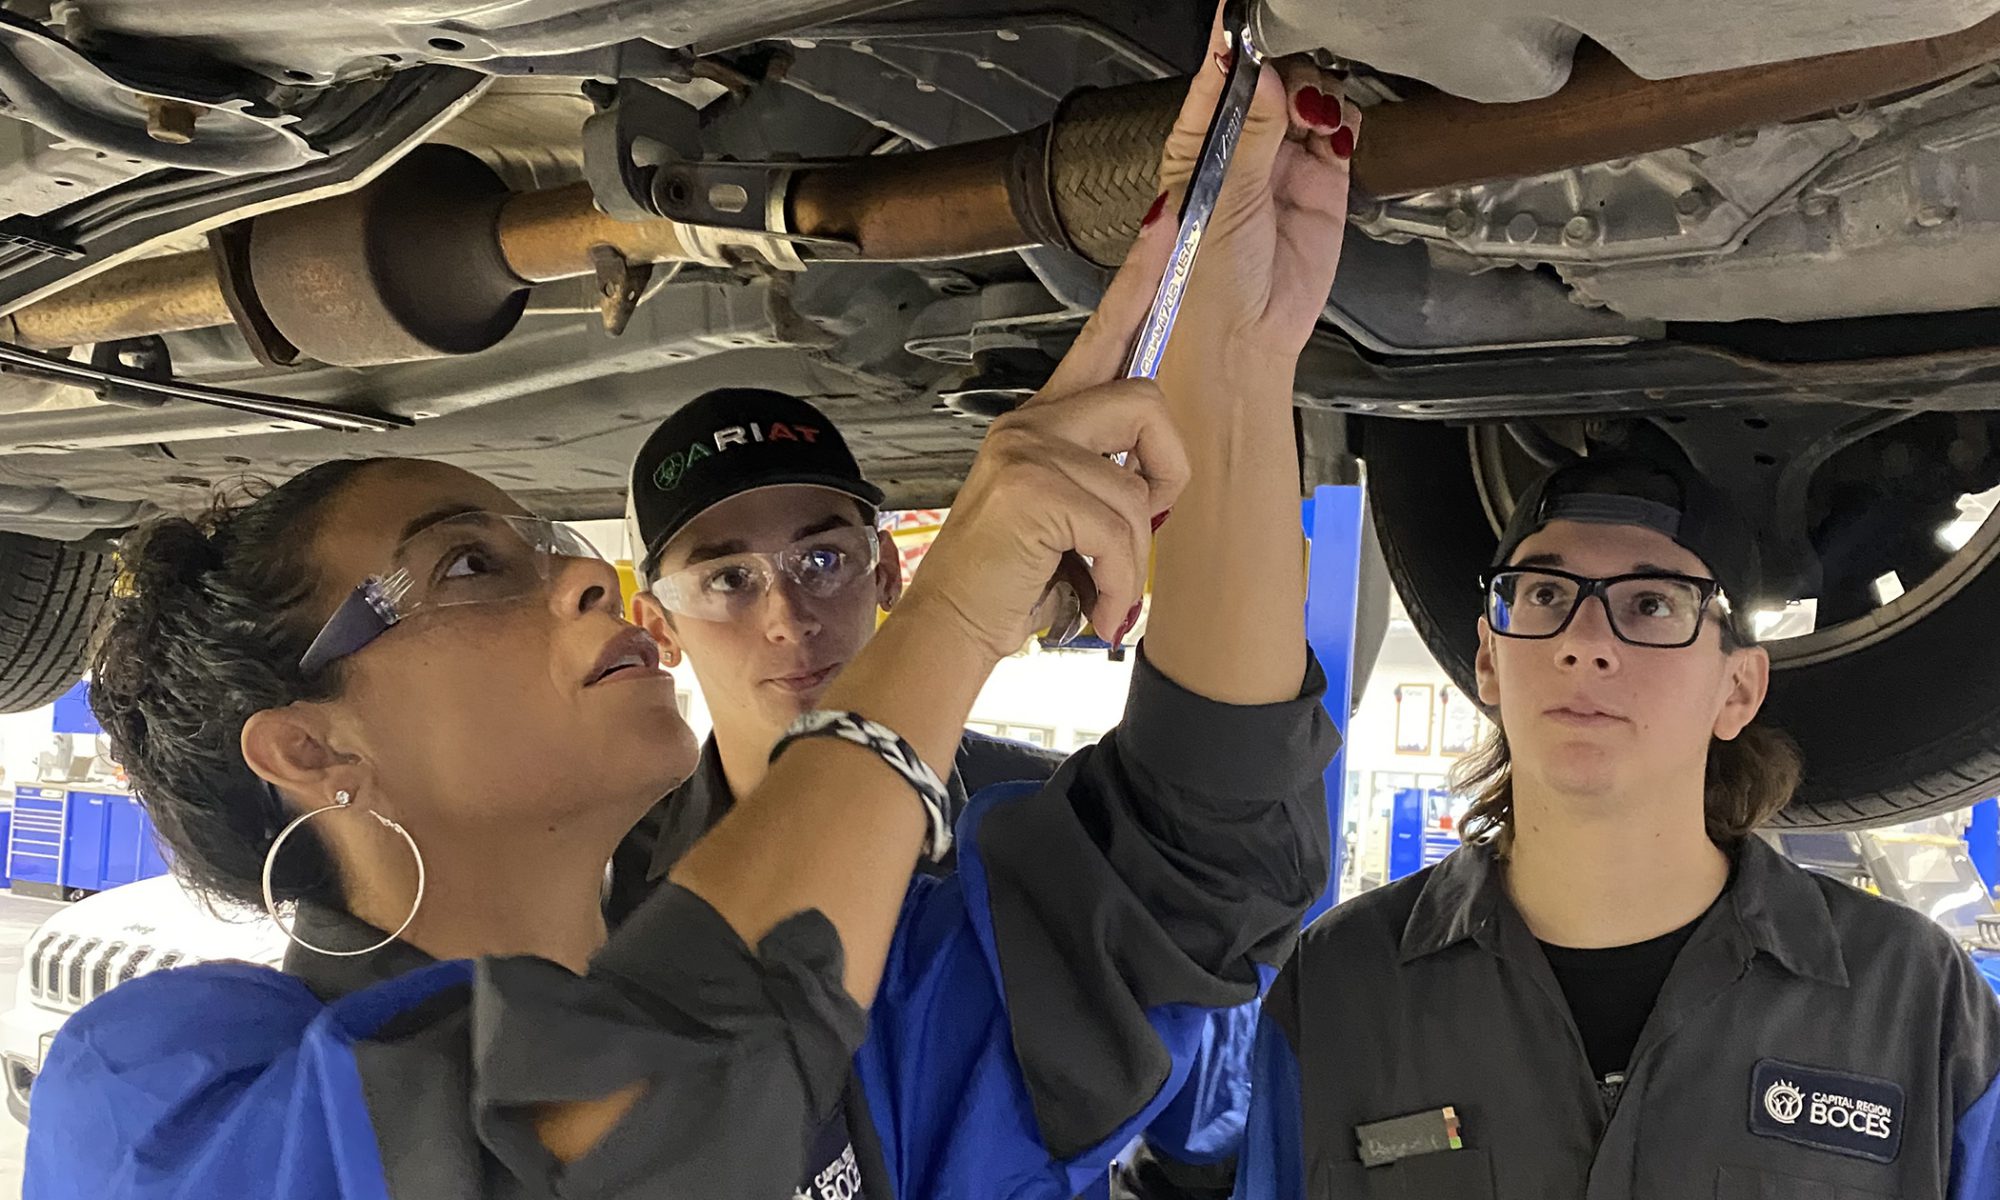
{"x": 87, "y": 903}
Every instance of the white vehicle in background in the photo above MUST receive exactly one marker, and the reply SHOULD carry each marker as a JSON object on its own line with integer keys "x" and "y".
{"x": 108, "y": 939}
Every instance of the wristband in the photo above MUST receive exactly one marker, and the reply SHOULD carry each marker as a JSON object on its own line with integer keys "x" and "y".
{"x": 899, "y": 755}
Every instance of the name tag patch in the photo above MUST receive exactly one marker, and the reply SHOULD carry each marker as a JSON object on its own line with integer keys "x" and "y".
{"x": 1827, "y": 1110}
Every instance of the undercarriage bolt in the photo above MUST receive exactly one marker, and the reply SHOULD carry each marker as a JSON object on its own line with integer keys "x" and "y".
{"x": 1691, "y": 203}
{"x": 1930, "y": 216}
{"x": 1580, "y": 229}
{"x": 1458, "y": 222}
{"x": 1523, "y": 228}
{"x": 1816, "y": 206}
{"x": 169, "y": 121}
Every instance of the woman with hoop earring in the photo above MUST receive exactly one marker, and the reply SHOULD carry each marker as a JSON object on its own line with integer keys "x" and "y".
{"x": 390, "y": 700}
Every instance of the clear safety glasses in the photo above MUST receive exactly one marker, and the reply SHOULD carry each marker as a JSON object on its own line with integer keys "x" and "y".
{"x": 1650, "y": 609}
{"x": 723, "y": 589}
{"x": 470, "y": 558}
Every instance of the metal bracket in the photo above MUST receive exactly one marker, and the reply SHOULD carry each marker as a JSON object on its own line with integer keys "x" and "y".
{"x": 634, "y": 122}
{"x": 17, "y": 361}
{"x": 620, "y": 283}
{"x": 145, "y": 358}
{"x": 229, "y": 246}
{"x": 739, "y": 195}
{"x": 642, "y": 157}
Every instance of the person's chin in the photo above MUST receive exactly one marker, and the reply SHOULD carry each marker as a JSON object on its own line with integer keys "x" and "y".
{"x": 781, "y": 706}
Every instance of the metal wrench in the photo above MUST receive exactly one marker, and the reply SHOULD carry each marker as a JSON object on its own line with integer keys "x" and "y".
{"x": 1072, "y": 583}
{"x": 1225, "y": 129}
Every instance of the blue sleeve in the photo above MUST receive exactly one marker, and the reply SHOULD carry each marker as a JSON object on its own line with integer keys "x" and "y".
{"x": 218, "y": 1080}
{"x": 1271, "y": 1165}
{"x": 1203, "y": 1125}
{"x": 229, "y": 1080}
{"x": 1975, "y": 1151}
{"x": 946, "y": 1090}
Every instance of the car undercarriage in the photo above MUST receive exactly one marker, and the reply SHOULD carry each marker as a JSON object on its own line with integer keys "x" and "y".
{"x": 236, "y": 242}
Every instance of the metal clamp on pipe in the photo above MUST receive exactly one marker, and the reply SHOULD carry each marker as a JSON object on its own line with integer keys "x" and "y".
{"x": 721, "y": 209}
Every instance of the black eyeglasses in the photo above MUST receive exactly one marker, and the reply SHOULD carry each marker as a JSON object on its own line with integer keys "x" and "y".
{"x": 1653, "y": 609}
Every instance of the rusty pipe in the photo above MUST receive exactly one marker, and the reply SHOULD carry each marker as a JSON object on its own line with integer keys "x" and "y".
{"x": 153, "y": 295}
{"x": 950, "y": 202}
{"x": 1606, "y": 112}
{"x": 549, "y": 235}
{"x": 1084, "y": 179}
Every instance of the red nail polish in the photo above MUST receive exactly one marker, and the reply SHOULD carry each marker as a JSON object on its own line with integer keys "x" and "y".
{"x": 1153, "y": 213}
{"x": 1343, "y": 142}
{"x": 1311, "y": 106}
{"x": 1224, "y": 59}
{"x": 1131, "y": 619}
{"x": 1160, "y": 519}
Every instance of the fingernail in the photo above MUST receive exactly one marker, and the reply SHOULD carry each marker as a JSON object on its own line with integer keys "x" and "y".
{"x": 1160, "y": 519}
{"x": 1343, "y": 142}
{"x": 1311, "y": 106}
{"x": 1153, "y": 213}
{"x": 1224, "y": 59}
{"x": 1131, "y": 619}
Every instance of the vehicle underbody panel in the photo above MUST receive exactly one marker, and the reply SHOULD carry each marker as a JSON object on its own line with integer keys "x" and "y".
{"x": 293, "y": 238}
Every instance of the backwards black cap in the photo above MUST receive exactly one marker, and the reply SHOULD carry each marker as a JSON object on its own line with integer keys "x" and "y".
{"x": 1670, "y": 499}
{"x": 724, "y": 443}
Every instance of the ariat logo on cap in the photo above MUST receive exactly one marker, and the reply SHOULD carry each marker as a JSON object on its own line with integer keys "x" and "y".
{"x": 674, "y": 467}
{"x": 1827, "y": 1110}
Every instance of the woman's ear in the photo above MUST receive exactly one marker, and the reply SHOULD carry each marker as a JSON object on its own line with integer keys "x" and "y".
{"x": 888, "y": 572}
{"x": 1749, "y": 681}
{"x": 292, "y": 749}
{"x": 650, "y": 615}
{"x": 1483, "y": 670}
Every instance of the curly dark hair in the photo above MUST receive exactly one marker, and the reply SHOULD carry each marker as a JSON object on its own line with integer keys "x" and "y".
{"x": 204, "y": 630}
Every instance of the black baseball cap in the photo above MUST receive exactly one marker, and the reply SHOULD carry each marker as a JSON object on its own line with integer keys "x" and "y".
{"x": 1668, "y": 498}
{"x": 725, "y": 443}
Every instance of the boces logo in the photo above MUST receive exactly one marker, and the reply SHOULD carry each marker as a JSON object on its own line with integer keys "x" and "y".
{"x": 1784, "y": 1101}
{"x": 1827, "y": 1110}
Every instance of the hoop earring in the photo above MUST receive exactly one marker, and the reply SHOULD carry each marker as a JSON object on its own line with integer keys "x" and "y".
{"x": 341, "y": 799}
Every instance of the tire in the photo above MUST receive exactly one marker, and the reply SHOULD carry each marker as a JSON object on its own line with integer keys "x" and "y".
{"x": 1892, "y": 729}
{"x": 50, "y": 596}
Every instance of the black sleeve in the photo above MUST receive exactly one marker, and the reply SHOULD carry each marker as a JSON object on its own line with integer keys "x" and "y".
{"x": 1168, "y": 865}
{"x": 745, "y": 1051}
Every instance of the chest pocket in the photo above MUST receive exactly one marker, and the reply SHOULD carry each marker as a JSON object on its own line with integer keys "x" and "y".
{"x": 1454, "y": 1174}
{"x": 1743, "y": 1183}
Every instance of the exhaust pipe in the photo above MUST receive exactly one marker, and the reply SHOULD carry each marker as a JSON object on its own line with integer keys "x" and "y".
{"x": 433, "y": 258}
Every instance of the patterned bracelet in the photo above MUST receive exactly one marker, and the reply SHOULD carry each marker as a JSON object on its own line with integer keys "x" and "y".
{"x": 901, "y": 757}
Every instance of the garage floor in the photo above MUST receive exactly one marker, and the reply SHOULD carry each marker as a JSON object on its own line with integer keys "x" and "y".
{"x": 18, "y": 918}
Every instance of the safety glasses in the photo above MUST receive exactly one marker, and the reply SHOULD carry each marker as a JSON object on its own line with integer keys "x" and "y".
{"x": 723, "y": 589}
{"x": 469, "y": 558}
{"x": 1653, "y": 609}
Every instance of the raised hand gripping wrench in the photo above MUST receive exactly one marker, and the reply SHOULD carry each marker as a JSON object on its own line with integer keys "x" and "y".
{"x": 1072, "y": 583}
